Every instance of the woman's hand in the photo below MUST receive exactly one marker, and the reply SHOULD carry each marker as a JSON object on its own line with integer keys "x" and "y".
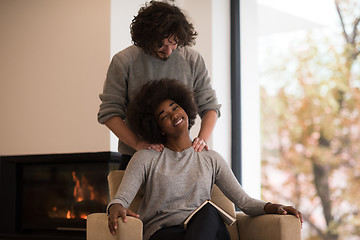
{"x": 116, "y": 211}
{"x": 199, "y": 144}
{"x": 283, "y": 210}
{"x": 144, "y": 145}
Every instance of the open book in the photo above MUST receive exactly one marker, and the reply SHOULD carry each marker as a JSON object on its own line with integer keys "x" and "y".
{"x": 228, "y": 219}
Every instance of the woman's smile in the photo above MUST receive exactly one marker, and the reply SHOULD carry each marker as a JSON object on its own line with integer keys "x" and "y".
{"x": 178, "y": 121}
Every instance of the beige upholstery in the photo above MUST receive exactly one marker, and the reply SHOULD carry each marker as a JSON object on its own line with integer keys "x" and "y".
{"x": 265, "y": 227}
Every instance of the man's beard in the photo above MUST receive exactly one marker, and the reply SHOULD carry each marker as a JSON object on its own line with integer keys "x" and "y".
{"x": 162, "y": 56}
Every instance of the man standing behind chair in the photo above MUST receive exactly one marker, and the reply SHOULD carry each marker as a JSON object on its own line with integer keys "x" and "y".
{"x": 162, "y": 37}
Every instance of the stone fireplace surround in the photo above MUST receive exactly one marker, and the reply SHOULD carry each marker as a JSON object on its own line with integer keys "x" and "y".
{"x": 15, "y": 172}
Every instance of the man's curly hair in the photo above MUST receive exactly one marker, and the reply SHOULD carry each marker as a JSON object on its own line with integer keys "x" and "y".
{"x": 158, "y": 20}
{"x": 140, "y": 113}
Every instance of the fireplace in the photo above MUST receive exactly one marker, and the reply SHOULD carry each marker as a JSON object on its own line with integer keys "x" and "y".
{"x": 50, "y": 196}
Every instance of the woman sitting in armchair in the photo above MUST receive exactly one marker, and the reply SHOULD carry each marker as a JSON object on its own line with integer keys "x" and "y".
{"x": 178, "y": 179}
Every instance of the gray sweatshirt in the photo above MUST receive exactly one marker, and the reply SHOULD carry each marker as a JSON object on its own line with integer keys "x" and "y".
{"x": 175, "y": 183}
{"x": 132, "y": 67}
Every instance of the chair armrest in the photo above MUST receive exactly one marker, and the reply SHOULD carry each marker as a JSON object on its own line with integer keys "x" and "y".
{"x": 269, "y": 227}
{"x": 97, "y": 228}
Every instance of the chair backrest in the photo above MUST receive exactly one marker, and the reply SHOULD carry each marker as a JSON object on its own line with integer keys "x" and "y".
{"x": 115, "y": 177}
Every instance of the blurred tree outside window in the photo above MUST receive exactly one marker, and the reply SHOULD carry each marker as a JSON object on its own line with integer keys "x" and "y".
{"x": 309, "y": 75}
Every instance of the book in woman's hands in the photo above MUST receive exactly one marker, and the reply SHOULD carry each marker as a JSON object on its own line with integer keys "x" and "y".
{"x": 227, "y": 218}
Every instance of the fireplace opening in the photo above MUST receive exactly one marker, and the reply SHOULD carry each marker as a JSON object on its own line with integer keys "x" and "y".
{"x": 54, "y": 194}
{"x": 61, "y": 196}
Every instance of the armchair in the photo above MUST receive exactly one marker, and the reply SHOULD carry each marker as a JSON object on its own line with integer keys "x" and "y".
{"x": 264, "y": 227}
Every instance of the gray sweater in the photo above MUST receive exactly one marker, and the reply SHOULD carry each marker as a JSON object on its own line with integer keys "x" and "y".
{"x": 175, "y": 183}
{"x": 131, "y": 68}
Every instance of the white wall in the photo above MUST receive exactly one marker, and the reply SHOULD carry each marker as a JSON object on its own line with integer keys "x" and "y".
{"x": 250, "y": 100}
{"x": 221, "y": 75}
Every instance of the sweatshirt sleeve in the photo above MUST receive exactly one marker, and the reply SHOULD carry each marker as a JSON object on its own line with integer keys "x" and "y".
{"x": 133, "y": 178}
{"x": 205, "y": 95}
{"x": 229, "y": 185}
{"x": 114, "y": 96}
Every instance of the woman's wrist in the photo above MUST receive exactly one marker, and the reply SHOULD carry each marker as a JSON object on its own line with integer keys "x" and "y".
{"x": 271, "y": 208}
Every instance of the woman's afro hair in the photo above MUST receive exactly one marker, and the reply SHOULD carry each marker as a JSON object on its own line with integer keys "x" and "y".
{"x": 140, "y": 113}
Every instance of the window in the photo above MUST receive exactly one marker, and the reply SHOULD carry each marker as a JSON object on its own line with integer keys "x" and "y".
{"x": 300, "y": 108}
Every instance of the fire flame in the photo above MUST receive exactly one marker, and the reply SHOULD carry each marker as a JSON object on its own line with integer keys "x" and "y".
{"x": 83, "y": 191}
